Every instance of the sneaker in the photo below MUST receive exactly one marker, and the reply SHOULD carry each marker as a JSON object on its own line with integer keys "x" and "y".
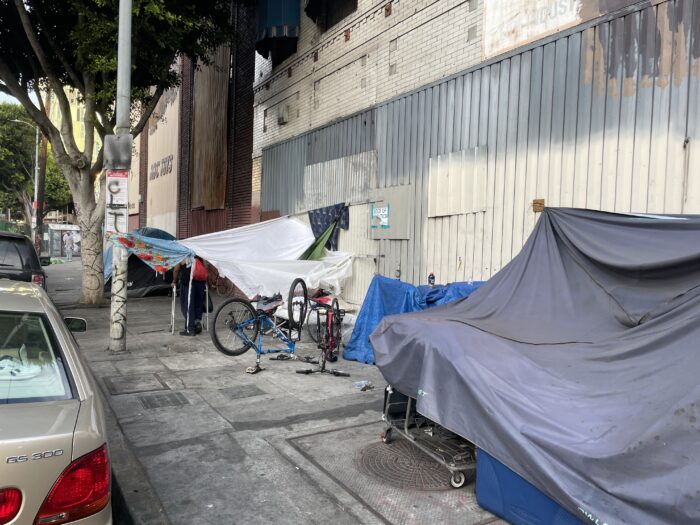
{"x": 187, "y": 333}
{"x": 198, "y": 327}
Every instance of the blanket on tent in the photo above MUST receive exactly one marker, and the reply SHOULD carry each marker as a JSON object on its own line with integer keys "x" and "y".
{"x": 142, "y": 278}
{"x": 576, "y": 366}
{"x": 387, "y": 296}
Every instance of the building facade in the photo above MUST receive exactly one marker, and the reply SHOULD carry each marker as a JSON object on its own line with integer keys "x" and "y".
{"x": 555, "y": 103}
{"x": 193, "y": 157}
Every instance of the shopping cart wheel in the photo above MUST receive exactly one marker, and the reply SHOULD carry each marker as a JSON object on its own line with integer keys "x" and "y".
{"x": 458, "y": 479}
{"x": 387, "y": 436}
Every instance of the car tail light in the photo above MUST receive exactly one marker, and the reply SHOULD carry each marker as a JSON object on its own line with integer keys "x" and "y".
{"x": 81, "y": 490}
{"x": 37, "y": 278}
{"x": 10, "y": 503}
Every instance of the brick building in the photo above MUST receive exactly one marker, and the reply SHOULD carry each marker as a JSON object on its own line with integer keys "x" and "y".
{"x": 452, "y": 122}
{"x": 356, "y": 54}
{"x": 193, "y": 158}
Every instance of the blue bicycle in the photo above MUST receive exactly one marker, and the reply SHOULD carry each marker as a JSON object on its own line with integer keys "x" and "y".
{"x": 240, "y": 324}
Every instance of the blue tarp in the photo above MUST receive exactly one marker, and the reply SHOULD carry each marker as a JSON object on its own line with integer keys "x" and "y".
{"x": 390, "y": 297}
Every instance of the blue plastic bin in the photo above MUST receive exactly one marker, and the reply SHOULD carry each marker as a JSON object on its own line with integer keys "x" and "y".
{"x": 508, "y": 495}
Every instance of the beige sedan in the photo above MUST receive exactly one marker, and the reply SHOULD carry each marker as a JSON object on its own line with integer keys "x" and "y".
{"x": 54, "y": 462}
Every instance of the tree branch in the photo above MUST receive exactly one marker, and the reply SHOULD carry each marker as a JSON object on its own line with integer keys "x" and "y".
{"x": 61, "y": 57}
{"x": 67, "y": 120}
{"x": 148, "y": 110}
{"x": 98, "y": 212}
{"x": 89, "y": 116}
{"x": 97, "y": 166}
{"x": 12, "y": 87}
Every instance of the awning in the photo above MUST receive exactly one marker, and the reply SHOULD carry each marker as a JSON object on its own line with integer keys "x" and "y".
{"x": 277, "y": 28}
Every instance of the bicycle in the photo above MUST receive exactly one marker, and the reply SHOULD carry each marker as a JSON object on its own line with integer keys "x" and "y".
{"x": 239, "y": 325}
{"x": 329, "y": 319}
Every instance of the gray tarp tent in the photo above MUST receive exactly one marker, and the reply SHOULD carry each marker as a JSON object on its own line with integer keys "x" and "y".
{"x": 577, "y": 365}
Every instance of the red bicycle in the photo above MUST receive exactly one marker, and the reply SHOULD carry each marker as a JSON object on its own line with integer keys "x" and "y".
{"x": 327, "y": 333}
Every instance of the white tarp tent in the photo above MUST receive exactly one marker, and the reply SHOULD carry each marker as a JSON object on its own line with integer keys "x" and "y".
{"x": 263, "y": 258}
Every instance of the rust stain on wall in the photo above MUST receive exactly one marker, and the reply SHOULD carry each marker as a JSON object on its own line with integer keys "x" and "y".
{"x": 588, "y": 55}
{"x": 210, "y": 132}
{"x": 601, "y": 45}
{"x": 680, "y": 59}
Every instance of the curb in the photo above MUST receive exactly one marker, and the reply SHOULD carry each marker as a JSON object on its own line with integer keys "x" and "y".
{"x": 133, "y": 498}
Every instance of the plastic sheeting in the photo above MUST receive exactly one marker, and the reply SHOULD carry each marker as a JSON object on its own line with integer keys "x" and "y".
{"x": 576, "y": 366}
{"x": 160, "y": 254}
{"x": 154, "y": 233}
{"x": 389, "y": 297}
{"x": 262, "y": 259}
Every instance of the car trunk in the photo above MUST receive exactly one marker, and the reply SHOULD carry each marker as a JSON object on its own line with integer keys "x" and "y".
{"x": 36, "y": 445}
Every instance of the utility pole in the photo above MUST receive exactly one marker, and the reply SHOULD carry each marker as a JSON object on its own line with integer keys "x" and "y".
{"x": 118, "y": 164}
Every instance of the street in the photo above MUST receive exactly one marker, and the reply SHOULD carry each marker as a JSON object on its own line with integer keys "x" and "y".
{"x": 195, "y": 440}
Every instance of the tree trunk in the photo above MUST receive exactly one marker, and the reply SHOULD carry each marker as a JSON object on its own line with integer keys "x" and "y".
{"x": 90, "y": 221}
{"x": 91, "y": 259}
{"x": 40, "y": 192}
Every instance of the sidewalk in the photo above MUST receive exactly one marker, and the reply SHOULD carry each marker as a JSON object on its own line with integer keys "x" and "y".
{"x": 195, "y": 440}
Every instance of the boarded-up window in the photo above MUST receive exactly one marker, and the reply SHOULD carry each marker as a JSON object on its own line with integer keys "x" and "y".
{"x": 457, "y": 183}
{"x": 210, "y": 133}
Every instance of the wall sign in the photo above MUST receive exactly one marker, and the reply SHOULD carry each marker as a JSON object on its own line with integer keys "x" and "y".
{"x": 117, "y": 212}
{"x": 509, "y": 24}
{"x": 380, "y": 217}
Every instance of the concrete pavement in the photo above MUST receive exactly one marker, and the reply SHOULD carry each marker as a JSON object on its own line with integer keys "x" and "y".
{"x": 195, "y": 440}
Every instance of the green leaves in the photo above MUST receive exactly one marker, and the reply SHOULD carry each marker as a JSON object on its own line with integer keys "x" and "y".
{"x": 85, "y": 33}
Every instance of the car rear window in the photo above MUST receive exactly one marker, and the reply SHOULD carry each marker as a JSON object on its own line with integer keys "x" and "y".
{"x": 9, "y": 255}
{"x": 31, "y": 367}
{"x": 18, "y": 253}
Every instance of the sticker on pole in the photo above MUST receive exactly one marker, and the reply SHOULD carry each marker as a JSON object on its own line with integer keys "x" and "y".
{"x": 117, "y": 201}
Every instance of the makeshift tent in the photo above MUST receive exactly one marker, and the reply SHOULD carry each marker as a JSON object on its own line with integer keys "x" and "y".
{"x": 389, "y": 297}
{"x": 263, "y": 258}
{"x": 142, "y": 279}
{"x": 576, "y": 365}
{"x": 161, "y": 255}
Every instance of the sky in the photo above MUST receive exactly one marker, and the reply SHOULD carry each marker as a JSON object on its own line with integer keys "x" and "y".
{"x": 7, "y": 98}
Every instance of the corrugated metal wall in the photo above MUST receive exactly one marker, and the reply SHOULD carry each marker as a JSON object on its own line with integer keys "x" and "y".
{"x": 347, "y": 179}
{"x": 603, "y": 117}
{"x": 284, "y": 164}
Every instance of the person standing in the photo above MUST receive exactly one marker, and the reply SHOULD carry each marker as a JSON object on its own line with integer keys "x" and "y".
{"x": 68, "y": 245}
{"x": 191, "y": 305}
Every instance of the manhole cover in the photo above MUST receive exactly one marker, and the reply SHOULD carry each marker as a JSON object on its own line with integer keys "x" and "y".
{"x": 171, "y": 399}
{"x": 403, "y": 465}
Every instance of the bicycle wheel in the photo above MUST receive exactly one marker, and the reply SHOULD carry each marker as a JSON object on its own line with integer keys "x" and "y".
{"x": 323, "y": 336}
{"x": 312, "y": 325}
{"x": 236, "y": 325}
{"x": 297, "y": 304}
{"x": 212, "y": 276}
{"x": 224, "y": 287}
{"x": 337, "y": 325}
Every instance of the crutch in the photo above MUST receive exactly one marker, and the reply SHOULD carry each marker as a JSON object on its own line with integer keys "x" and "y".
{"x": 172, "y": 312}
{"x": 206, "y": 289}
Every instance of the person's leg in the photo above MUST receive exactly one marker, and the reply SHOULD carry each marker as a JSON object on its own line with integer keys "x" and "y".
{"x": 198, "y": 292}
{"x": 192, "y": 318}
{"x": 183, "y": 302}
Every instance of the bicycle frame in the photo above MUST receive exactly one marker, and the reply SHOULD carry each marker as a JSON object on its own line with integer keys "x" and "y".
{"x": 266, "y": 325}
